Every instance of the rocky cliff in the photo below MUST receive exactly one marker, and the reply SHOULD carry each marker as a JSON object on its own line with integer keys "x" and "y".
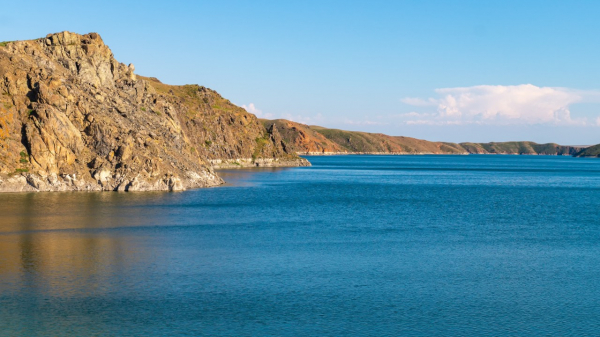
{"x": 305, "y": 139}
{"x": 74, "y": 118}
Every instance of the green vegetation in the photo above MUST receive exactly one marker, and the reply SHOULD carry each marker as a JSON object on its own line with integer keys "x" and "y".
{"x": 260, "y": 141}
{"x": 519, "y": 148}
{"x": 195, "y": 97}
{"x": 24, "y": 157}
{"x": 207, "y": 143}
{"x": 260, "y": 145}
{"x": 143, "y": 109}
{"x": 473, "y": 147}
{"x": 7, "y": 106}
{"x": 509, "y": 147}
{"x": 21, "y": 170}
{"x": 3, "y": 44}
{"x": 191, "y": 90}
{"x": 592, "y": 151}
{"x": 191, "y": 113}
{"x": 353, "y": 141}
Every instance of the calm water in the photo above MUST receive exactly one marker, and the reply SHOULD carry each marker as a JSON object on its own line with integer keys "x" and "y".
{"x": 355, "y": 245}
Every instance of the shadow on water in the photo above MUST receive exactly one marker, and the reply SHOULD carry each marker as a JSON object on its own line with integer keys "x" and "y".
{"x": 248, "y": 176}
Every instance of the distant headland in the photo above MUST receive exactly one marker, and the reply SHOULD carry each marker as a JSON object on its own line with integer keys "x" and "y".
{"x": 317, "y": 140}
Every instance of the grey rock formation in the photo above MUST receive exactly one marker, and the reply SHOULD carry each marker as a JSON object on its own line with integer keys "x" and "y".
{"x": 74, "y": 118}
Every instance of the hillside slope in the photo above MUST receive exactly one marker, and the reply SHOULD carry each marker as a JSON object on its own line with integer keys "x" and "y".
{"x": 306, "y": 139}
{"x": 74, "y": 118}
{"x": 592, "y": 151}
{"x": 520, "y": 148}
{"x": 314, "y": 140}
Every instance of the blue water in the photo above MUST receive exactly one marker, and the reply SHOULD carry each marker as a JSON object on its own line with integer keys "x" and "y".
{"x": 355, "y": 245}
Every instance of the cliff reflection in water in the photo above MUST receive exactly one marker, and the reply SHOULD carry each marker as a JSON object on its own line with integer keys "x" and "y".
{"x": 239, "y": 177}
{"x": 70, "y": 250}
{"x": 353, "y": 246}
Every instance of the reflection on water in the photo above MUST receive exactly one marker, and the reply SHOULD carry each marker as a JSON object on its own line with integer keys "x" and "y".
{"x": 54, "y": 211}
{"x": 239, "y": 177}
{"x": 46, "y": 243}
{"x": 65, "y": 243}
{"x": 56, "y": 248}
{"x": 410, "y": 246}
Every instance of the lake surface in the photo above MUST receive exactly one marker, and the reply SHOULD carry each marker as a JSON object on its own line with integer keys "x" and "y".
{"x": 355, "y": 245}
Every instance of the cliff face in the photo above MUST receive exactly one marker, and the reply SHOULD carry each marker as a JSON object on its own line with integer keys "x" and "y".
{"x": 73, "y": 118}
{"x": 306, "y": 139}
{"x": 303, "y": 138}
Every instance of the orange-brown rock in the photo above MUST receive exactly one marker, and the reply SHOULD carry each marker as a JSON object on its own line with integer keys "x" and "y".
{"x": 74, "y": 118}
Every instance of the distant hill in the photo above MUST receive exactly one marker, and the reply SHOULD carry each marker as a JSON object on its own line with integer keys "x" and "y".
{"x": 318, "y": 140}
{"x": 305, "y": 139}
{"x": 592, "y": 151}
{"x": 520, "y": 148}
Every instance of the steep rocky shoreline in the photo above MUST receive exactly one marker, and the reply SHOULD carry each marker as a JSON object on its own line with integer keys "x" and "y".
{"x": 74, "y": 118}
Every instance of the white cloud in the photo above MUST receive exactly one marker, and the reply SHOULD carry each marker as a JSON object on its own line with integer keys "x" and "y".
{"x": 251, "y": 108}
{"x": 304, "y": 119}
{"x": 502, "y": 105}
{"x": 318, "y": 118}
{"x": 415, "y": 101}
{"x": 362, "y": 122}
{"x": 413, "y": 114}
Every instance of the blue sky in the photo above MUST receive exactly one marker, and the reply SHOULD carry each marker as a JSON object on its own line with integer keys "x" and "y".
{"x": 438, "y": 70}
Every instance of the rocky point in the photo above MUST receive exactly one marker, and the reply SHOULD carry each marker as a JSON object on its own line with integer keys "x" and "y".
{"x": 74, "y": 118}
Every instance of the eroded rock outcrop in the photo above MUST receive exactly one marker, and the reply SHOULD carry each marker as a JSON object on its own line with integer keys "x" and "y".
{"x": 74, "y": 118}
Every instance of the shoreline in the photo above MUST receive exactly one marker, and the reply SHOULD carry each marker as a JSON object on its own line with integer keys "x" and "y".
{"x": 32, "y": 182}
{"x": 233, "y": 163}
{"x": 324, "y": 154}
